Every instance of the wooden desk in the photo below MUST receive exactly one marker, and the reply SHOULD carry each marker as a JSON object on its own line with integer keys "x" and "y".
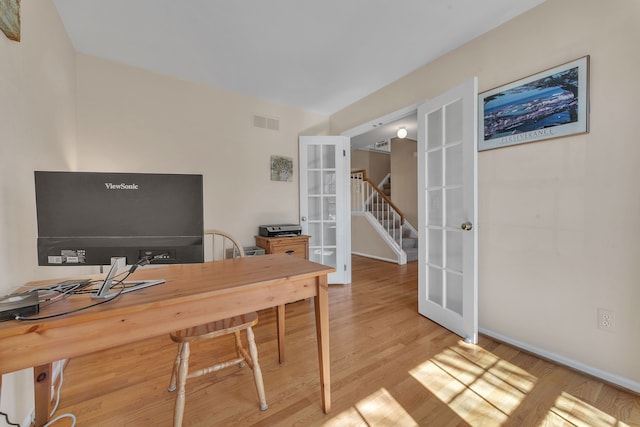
{"x": 193, "y": 294}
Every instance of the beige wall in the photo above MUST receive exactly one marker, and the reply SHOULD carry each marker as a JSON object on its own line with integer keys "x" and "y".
{"x": 37, "y": 119}
{"x": 556, "y": 218}
{"x": 404, "y": 178}
{"x": 366, "y": 241}
{"x": 377, "y": 165}
{"x": 135, "y": 120}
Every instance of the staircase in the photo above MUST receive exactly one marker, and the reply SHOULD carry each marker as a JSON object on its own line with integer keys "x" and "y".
{"x": 374, "y": 202}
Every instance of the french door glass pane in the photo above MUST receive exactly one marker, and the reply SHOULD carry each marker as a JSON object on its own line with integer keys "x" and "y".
{"x": 315, "y": 208}
{"x": 329, "y": 157}
{"x": 315, "y": 255}
{"x": 315, "y": 230}
{"x": 434, "y": 257}
{"x": 434, "y": 123}
{"x": 329, "y": 182}
{"x": 454, "y": 250}
{"x": 329, "y": 208}
{"x": 329, "y": 234}
{"x": 434, "y": 169}
{"x": 435, "y": 286}
{"x": 453, "y": 119}
{"x": 455, "y": 212}
{"x": 454, "y": 292}
{"x": 314, "y": 183}
{"x": 435, "y": 208}
{"x": 453, "y": 163}
{"x": 313, "y": 156}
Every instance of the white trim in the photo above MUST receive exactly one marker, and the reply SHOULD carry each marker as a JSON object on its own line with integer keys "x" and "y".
{"x": 387, "y": 118}
{"x": 400, "y": 253}
{"x": 395, "y": 261}
{"x": 623, "y": 382}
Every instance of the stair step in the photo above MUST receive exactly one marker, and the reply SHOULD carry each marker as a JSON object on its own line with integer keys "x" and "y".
{"x": 409, "y": 243}
{"x": 412, "y": 254}
{"x": 383, "y": 215}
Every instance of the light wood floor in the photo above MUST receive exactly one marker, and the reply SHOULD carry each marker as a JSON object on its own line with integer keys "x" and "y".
{"x": 389, "y": 367}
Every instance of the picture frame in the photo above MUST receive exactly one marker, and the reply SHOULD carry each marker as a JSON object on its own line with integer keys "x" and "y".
{"x": 10, "y": 19}
{"x": 550, "y": 104}
{"x": 281, "y": 168}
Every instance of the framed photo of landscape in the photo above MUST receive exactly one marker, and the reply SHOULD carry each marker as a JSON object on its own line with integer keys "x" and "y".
{"x": 549, "y": 104}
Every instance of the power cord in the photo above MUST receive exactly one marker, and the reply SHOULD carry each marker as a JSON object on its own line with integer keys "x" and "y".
{"x": 55, "y": 407}
{"x": 75, "y": 290}
{"x": 6, "y": 417}
{"x": 59, "y": 417}
{"x": 120, "y": 282}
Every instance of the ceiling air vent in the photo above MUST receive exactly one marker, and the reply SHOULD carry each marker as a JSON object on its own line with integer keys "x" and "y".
{"x": 266, "y": 122}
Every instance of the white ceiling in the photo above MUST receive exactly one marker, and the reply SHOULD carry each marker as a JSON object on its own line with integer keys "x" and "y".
{"x": 318, "y": 55}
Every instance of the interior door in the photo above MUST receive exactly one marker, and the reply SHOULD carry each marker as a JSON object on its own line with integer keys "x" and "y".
{"x": 325, "y": 204}
{"x": 447, "y": 210}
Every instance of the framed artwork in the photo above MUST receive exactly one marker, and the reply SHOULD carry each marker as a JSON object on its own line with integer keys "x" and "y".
{"x": 281, "y": 168}
{"x": 549, "y": 104}
{"x": 10, "y": 18}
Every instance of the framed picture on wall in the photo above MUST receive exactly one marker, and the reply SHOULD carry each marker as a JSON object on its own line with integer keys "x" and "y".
{"x": 10, "y": 18}
{"x": 549, "y": 104}
{"x": 281, "y": 168}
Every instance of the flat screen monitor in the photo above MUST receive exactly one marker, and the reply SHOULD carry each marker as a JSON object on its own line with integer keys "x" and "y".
{"x": 90, "y": 218}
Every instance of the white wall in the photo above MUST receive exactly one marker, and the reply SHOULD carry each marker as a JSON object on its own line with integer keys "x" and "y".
{"x": 134, "y": 120}
{"x": 557, "y": 235}
{"x": 37, "y": 122}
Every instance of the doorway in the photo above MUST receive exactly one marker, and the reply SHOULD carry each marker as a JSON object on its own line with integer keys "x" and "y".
{"x": 394, "y": 172}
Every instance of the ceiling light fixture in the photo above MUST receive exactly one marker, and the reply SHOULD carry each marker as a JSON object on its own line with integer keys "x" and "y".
{"x": 402, "y": 133}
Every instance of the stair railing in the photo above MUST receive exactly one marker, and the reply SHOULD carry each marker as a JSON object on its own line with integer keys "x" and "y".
{"x": 367, "y": 197}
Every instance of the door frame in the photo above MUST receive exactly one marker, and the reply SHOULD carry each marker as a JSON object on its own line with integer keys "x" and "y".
{"x": 368, "y": 127}
{"x": 381, "y": 121}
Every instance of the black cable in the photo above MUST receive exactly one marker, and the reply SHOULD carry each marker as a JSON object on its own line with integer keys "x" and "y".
{"x": 143, "y": 261}
{"x": 77, "y": 309}
{"x": 6, "y": 417}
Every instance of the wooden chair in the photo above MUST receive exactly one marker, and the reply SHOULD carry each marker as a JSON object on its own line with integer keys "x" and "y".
{"x": 225, "y": 246}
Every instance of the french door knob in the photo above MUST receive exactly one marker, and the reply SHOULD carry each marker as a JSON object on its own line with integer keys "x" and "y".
{"x": 466, "y": 226}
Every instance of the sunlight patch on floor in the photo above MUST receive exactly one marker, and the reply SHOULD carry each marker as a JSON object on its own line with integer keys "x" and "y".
{"x": 484, "y": 390}
{"x": 570, "y": 409}
{"x": 379, "y": 409}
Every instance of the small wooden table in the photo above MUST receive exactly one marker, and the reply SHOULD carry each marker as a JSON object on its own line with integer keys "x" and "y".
{"x": 193, "y": 294}
{"x": 291, "y": 245}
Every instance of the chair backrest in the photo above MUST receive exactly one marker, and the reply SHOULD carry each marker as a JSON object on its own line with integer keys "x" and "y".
{"x": 223, "y": 245}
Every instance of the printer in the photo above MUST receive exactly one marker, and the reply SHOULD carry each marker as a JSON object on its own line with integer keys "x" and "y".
{"x": 280, "y": 230}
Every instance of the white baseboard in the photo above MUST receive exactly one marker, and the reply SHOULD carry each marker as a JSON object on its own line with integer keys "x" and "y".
{"x": 395, "y": 261}
{"x": 623, "y": 382}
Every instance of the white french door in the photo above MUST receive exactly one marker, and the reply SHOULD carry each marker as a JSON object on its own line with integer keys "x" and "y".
{"x": 325, "y": 212}
{"x": 447, "y": 210}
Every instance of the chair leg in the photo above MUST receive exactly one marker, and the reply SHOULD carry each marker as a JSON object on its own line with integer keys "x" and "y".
{"x": 257, "y": 373}
{"x": 183, "y": 369}
{"x": 176, "y": 364}
{"x": 239, "y": 347}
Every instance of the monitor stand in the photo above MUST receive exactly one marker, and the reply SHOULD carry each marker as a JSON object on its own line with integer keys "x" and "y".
{"x": 118, "y": 264}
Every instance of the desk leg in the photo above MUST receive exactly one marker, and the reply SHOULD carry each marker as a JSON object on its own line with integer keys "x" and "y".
{"x": 42, "y": 391}
{"x": 280, "y": 322}
{"x": 322, "y": 330}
